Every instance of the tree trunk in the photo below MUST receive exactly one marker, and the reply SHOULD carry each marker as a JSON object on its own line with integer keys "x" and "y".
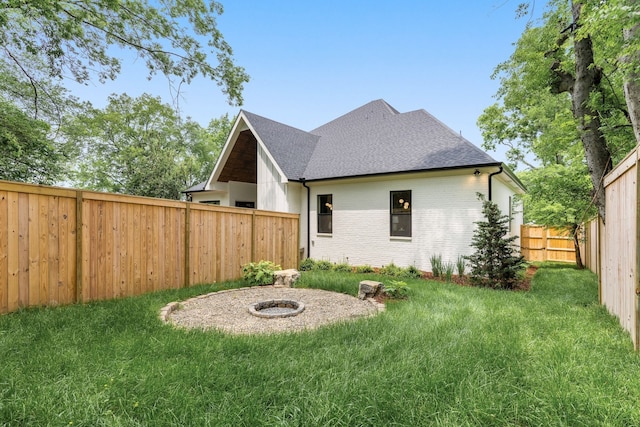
{"x": 586, "y": 81}
{"x": 632, "y": 85}
{"x": 576, "y": 246}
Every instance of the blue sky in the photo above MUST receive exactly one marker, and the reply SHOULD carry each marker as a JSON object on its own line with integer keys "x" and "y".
{"x": 312, "y": 61}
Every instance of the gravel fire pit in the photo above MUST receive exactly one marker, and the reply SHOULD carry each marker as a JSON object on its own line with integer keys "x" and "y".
{"x": 230, "y": 311}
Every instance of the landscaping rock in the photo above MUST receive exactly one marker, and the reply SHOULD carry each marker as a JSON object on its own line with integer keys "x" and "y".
{"x": 285, "y": 278}
{"x": 369, "y": 289}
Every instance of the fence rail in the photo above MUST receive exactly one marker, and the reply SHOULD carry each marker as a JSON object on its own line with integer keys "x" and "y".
{"x": 539, "y": 243}
{"x": 60, "y": 246}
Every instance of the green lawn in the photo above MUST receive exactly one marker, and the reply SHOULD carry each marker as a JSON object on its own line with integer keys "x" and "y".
{"x": 449, "y": 355}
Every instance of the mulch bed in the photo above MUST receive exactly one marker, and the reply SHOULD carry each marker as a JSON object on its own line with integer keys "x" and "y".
{"x": 524, "y": 285}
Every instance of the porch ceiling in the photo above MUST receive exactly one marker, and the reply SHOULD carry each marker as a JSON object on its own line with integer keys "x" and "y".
{"x": 241, "y": 166}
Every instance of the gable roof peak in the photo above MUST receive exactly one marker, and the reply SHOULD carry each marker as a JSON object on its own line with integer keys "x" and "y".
{"x": 375, "y": 110}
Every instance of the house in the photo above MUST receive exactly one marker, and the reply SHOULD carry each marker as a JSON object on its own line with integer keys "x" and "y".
{"x": 373, "y": 186}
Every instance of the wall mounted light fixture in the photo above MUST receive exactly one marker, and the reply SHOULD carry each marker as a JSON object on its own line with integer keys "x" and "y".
{"x": 477, "y": 172}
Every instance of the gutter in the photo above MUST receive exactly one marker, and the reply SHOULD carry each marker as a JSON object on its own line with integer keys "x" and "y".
{"x": 304, "y": 184}
{"x": 491, "y": 176}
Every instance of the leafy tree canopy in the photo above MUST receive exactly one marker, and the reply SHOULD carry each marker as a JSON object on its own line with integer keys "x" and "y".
{"x": 42, "y": 40}
{"x": 566, "y": 101}
{"x": 141, "y": 146}
{"x": 26, "y": 154}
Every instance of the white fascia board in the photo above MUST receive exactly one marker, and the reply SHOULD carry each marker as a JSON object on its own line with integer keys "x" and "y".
{"x": 512, "y": 180}
{"x": 283, "y": 177}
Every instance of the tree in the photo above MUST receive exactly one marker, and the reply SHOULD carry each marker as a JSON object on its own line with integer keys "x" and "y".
{"x": 562, "y": 86}
{"x": 494, "y": 263}
{"x": 26, "y": 152}
{"x": 42, "y": 40}
{"x": 207, "y": 146}
{"x": 559, "y": 196}
{"x": 583, "y": 84}
{"x": 612, "y": 19}
{"x": 141, "y": 146}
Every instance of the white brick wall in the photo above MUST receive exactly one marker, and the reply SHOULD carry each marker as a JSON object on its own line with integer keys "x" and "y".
{"x": 444, "y": 209}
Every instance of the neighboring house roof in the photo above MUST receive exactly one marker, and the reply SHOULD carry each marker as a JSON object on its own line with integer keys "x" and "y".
{"x": 196, "y": 188}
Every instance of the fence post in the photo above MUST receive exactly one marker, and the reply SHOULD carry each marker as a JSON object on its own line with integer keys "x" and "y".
{"x": 636, "y": 273}
{"x": 253, "y": 236}
{"x": 79, "y": 247}
{"x": 187, "y": 244}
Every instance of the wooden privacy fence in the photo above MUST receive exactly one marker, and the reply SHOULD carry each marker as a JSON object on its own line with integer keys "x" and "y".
{"x": 619, "y": 245}
{"x": 60, "y": 246}
{"x": 538, "y": 243}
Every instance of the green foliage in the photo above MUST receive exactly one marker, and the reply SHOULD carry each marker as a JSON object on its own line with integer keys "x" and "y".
{"x": 343, "y": 267}
{"x": 259, "y": 273}
{"x": 558, "y": 195}
{"x": 494, "y": 263}
{"x": 307, "y": 264}
{"x": 140, "y": 146}
{"x": 412, "y": 272}
{"x": 324, "y": 265}
{"x": 397, "y": 289}
{"x": 532, "y": 119}
{"x": 76, "y": 40}
{"x": 362, "y": 269}
{"x": 26, "y": 152}
{"x": 392, "y": 270}
{"x": 461, "y": 265}
{"x": 448, "y": 268}
{"x": 436, "y": 265}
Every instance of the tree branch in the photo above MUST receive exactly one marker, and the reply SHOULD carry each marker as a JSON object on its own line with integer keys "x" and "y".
{"x": 32, "y": 81}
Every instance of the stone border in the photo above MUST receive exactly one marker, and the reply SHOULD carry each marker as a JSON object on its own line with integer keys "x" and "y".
{"x": 294, "y": 308}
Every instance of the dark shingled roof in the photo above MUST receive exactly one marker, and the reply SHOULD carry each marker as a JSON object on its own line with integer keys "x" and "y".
{"x": 290, "y": 147}
{"x": 371, "y": 140}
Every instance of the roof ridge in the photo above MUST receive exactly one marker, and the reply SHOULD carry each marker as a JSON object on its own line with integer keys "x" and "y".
{"x": 273, "y": 121}
{"x": 370, "y": 108}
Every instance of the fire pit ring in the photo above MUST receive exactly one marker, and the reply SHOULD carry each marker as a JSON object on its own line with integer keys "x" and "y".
{"x": 276, "y": 308}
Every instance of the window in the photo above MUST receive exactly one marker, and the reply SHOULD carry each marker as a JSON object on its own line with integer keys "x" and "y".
{"x": 210, "y": 202}
{"x": 240, "y": 204}
{"x": 401, "y": 213}
{"x": 325, "y": 213}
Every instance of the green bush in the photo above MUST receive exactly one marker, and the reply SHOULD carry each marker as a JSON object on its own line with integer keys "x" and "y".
{"x": 412, "y": 272}
{"x": 307, "y": 264}
{"x": 259, "y": 273}
{"x": 391, "y": 270}
{"x": 364, "y": 269}
{"x": 343, "y": 267}
{"x": 324, "y": 265}
{"x": 397, "y": 289}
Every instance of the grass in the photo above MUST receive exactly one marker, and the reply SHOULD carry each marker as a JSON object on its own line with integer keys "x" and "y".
{"x": 448, "y": 355}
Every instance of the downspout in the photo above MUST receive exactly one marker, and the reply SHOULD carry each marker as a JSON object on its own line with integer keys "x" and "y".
{"x": 490, "y": 176}
{"x": 304, "y": 184}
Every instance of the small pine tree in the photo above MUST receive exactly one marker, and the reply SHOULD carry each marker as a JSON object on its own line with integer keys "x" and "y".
{"x": 495, "y": 262}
